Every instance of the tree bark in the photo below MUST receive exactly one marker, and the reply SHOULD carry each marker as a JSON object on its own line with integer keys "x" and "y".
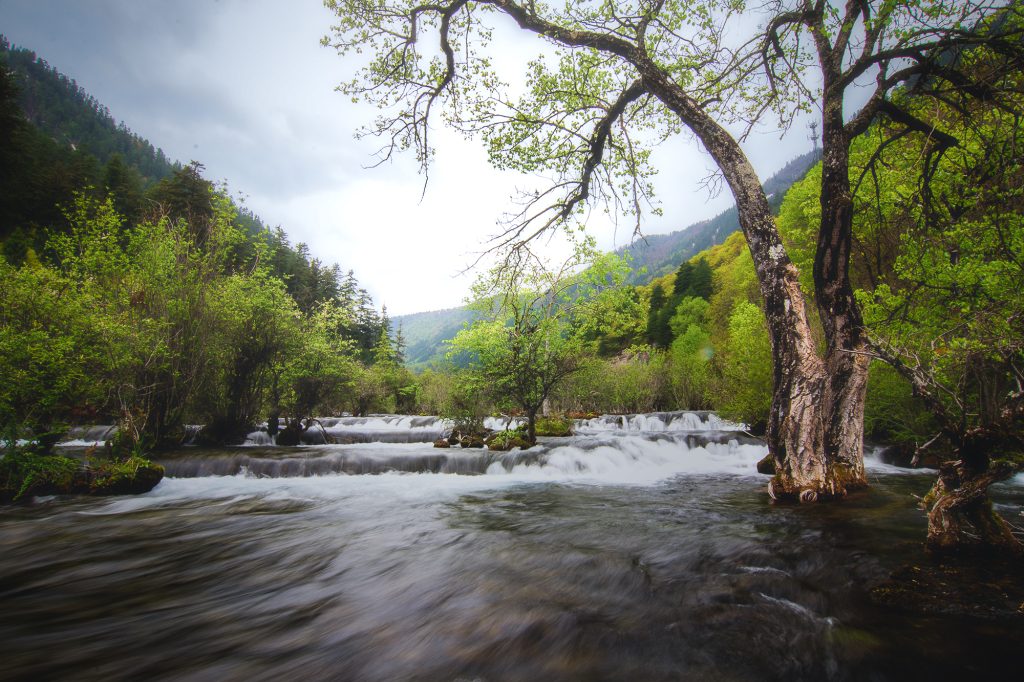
{"x": 846, "y": 364}
{"x": 960, "y": 514}
{"x": 531, "y": 425}
{"x": 805, "y": 396}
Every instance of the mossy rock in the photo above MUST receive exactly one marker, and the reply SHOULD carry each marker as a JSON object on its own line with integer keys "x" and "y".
{"x": 554, "y": 426}
{"x": 442, "y": 443}
{"x": 472, "y": 442}
{"x": 506, "y": 440}
{"x": 25, "y": 474}
{"x": 134, "y": 476}
{"x": 766, "y": 465}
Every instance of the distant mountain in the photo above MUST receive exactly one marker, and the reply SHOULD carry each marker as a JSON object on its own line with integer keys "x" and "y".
{"x": 57, "y": 106}
{"x": 660, "y": 254}
{"x": 425, "y": 333}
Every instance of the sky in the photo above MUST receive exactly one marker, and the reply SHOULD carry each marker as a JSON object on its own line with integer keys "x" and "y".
{"x": 245, "y": 88}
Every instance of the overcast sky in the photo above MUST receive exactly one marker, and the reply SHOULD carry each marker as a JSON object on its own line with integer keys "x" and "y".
{"x": 244, "y": 87}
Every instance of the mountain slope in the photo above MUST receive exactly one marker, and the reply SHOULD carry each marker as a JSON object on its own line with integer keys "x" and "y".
{"x": 63, "y": 110}
{"x": 652, "y": 257}
{"x": 425, "y": 333}
{"x": 660, "y": 254}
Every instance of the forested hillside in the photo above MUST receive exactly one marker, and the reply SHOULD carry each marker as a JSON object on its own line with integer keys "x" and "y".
{"x": 425, "y": 332}
{"x": 61, "y": 109}
{"x": 138, "y": 292}
{"x": 659, "y": 254}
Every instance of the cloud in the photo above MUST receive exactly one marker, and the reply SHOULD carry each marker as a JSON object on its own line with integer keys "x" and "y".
{"x": 244, "y": 87}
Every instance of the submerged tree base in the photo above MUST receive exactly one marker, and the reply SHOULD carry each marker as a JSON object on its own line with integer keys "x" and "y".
{"x": 25, "y": 474}
{"x": 961, "y": 519}
{"x": 789, "y": 489}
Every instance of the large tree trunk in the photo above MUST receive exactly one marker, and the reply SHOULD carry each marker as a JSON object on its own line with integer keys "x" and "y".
{"x": 796, "y": 431}
{"x": 806, "y": 398}
{"x": 846, "y": 363}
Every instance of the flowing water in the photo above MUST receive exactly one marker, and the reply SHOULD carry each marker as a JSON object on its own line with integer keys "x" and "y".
{"x": 642, "y": 549}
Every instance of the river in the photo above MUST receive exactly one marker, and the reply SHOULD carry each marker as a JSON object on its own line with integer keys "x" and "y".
{"x": 641, "y": 549}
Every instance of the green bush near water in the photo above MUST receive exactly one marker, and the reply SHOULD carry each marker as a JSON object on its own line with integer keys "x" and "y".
{"x": 26, "y": 473}
{"x": 554, "y": 426}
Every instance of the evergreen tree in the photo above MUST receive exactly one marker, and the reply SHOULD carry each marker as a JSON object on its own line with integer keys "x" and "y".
{"x": 124, "y": 184}
{"x": 400, "y": 345}
{"x": 657, "y": 303}
{"x": 187, "y": 196}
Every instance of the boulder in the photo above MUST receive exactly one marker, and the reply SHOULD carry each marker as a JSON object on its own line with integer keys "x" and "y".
{"x": 766, "y": 465}
{"x": 472, "y": 442}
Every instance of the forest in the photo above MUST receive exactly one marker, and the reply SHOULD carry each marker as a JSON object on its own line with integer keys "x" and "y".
{"x": 784, "y": 443}
{"x": 138, "y": 293}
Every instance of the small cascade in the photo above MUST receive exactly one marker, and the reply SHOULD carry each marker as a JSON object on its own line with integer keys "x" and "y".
{"x": 378, "y": 428}
{"x": 657, "y": 422}
{"x": 353, "y": 461}
{"x": 192, "y": 434}
{"x": 87, "y": 436}
{"x": 502, "y": 423}
{"x": 641, "y": 458}
{"x": 384, "y": 428}
{"x": 259, "y": 438}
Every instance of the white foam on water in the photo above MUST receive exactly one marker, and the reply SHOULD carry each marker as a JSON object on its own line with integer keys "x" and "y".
{"x": 657, "y": 422}
{"x": 259, "y": 438}
{"x": 880, "y": 467}
{"x": 874, "y": 464}
{"x": 638, "y": 461}
{"x": 619, "y": 462}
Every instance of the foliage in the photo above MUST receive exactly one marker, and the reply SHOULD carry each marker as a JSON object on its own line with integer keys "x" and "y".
{"x": 635, "y": 381}
{"x": 26, "y": 471}
{"x": 951, "y": 316}
{"x": 508, "y": 439}
{"x": 554, "y": 426}
{"x": 523, "y": 345}
{"x": 744, "y": 390}
{"x": 612, "y": 319}
{"x": 691, "y": 351}
{"x": 51, "y": 350}
{"x": 23, "y": 471}
{"x": 152, "y": 324}
{"x": 257, "y": 328}
{"x": 692, "y": 280}
{"x": 319, "y": 371}
{"x": 892, "y": 412}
